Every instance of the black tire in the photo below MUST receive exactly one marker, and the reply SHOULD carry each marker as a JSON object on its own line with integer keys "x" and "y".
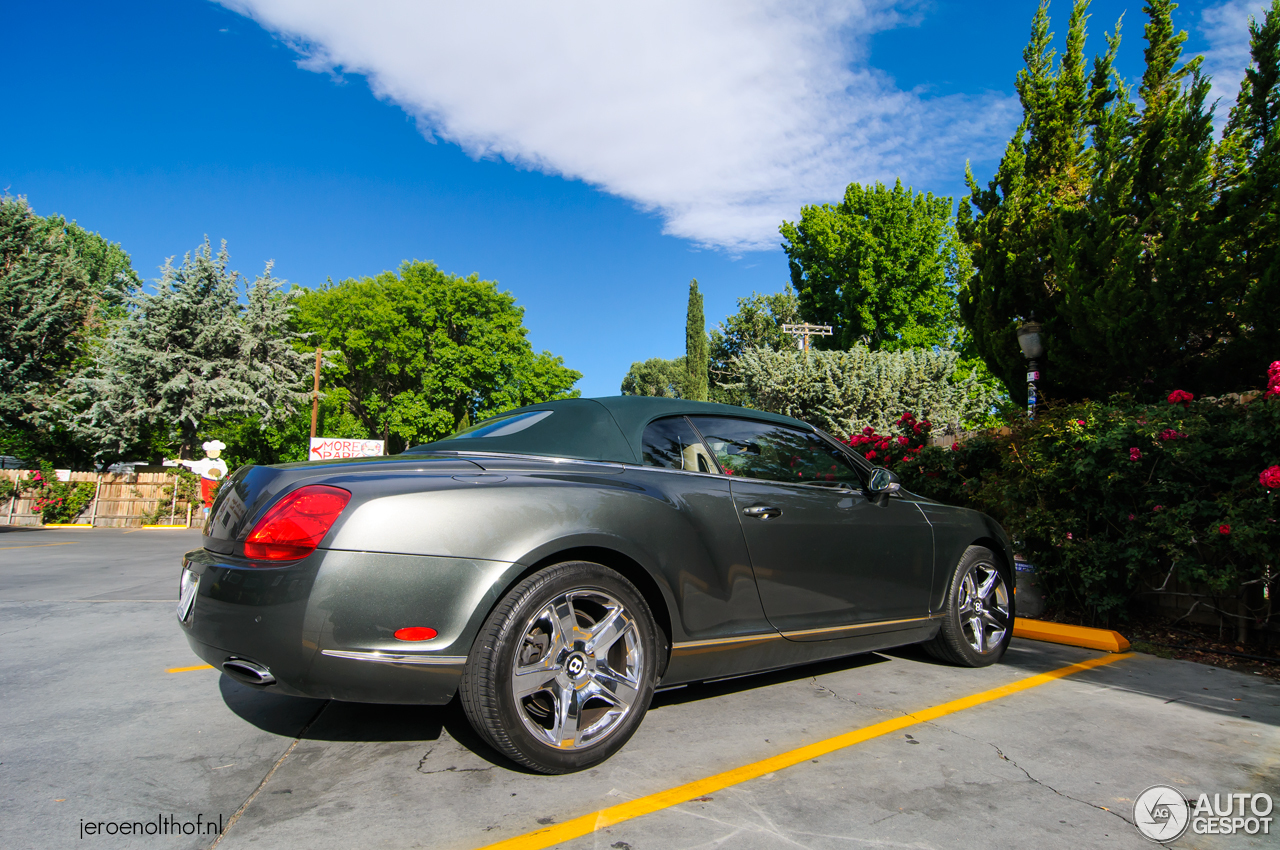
{"x": 975, "y": 635}
{"x": 523, "y": 645}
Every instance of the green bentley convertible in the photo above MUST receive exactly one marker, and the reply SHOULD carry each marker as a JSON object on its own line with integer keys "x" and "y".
{"x": 552, "y": 566}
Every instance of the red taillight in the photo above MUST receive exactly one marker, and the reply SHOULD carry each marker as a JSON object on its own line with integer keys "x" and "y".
{"x": 294, "y": 527}
{"x": 415, "y": 633}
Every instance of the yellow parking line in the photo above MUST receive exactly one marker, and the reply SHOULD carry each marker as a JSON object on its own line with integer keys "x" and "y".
{"x": 587, "y": 824}
{"x": 38, "y": 545}
{"x": 189, "y": 669}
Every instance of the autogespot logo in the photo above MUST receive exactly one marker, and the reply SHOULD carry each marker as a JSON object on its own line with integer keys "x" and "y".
{"x": 1161, "y": 813}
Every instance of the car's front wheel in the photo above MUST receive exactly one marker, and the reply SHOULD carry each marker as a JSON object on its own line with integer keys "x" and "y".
{"x": 977, "y": 615}
{"x": 563, "y": 669}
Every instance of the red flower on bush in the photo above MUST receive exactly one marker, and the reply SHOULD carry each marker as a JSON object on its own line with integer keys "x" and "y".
{"x": 902, "y": 441}
{"x": 1224, "y": 529}
{"x": 1135, "y": 454}
{"x": 955, "y": 447}
{"x": 1171, "y": 434}
{"x": 868, "y": 430}
{"x": 1079, "y": 421}
{"x": 1180, "y": 397}
{"x": 1158, "y": 508}
{"x": 871, "y": 455}
{"x": 1270, "y": 477}
{"x": 1273, "y": 380}
{"x": 1132, "y": 517}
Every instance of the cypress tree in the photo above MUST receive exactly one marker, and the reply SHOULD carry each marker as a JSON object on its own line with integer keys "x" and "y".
{"x": 1101, "y": 219}
{"x": 695, "y": 346}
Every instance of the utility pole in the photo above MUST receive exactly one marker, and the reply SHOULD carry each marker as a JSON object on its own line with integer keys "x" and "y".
{"x": 804, "y": 331}
{"x": 315, "y": 396}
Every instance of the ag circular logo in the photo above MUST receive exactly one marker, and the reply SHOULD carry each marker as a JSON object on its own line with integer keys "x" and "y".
{"x": 1161, "y": 813}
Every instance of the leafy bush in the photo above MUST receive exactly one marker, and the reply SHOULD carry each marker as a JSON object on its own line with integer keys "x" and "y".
{"x": 169, "y": 507}
{"x": 57, "y": 502}
{"x": 845, "y": 391}
{"x": 1112, "y": 500}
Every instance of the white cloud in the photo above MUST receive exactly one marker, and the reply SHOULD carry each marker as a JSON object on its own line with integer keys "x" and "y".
{"x": 723, "y": 117}
{"x": 1226, "y": 28}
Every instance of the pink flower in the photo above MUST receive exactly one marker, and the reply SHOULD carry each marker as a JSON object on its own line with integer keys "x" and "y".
{"x": 1079, "y": 421}
{"x": 1135, "y": 454}
{"x": 902, "y": 441}
{"x": 871, "y": 455}
{"x": 1224, "y": 529}
{"x": 1158, "y": 508}
{"x": 1270, "y": 477}
{"x": 955, "y": 447}
{"x": 1180, "y": 397}
{"x": 1132, "y": 517}
{"x": 1069, "y": 535}
{"x": 1171, "y": 434}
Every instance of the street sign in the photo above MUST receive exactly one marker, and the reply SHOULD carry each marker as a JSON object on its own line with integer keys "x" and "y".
{"x": 331, "y": 448}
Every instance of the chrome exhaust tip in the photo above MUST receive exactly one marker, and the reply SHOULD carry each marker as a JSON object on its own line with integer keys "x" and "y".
{"x": 249, "y": 672}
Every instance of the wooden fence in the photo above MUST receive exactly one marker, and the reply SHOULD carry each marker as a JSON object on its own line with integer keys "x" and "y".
{"x": 120, "y": 501}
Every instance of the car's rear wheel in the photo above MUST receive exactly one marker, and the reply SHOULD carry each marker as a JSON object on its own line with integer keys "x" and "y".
{"x": 563, "y": 669}
{"x": 977, "y": 622}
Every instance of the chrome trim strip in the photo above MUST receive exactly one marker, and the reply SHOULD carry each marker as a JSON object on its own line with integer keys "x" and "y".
{"x": 615, "y": 464}
{"x": 396, "y": 657}
{"x": 693, "y": 644}
{"x": 863, "y": 627}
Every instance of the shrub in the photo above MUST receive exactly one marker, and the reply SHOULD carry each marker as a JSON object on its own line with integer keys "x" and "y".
{"x": 1112, "y": 500}
{"x": 57, "y": 502}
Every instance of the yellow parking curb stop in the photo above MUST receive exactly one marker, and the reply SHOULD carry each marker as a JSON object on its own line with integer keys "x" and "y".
{"x": 1104, "y": 639}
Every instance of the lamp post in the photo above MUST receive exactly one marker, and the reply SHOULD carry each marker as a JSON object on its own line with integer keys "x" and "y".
{"x": 1033, "y": 350}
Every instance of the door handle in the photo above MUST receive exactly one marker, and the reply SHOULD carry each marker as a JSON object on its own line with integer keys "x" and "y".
{"x": 762, "y": 512}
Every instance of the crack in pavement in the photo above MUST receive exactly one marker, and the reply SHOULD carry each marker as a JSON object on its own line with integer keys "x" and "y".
{"x": 814, "y": 681}
{"x": 450, "y": 769}
{"x": 1027, "y": 774}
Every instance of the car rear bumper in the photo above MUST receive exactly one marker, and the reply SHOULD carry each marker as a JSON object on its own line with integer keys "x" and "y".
{"x": 324, "y": 626}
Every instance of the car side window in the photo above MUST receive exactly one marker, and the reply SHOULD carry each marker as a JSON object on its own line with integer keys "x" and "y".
{"x": 672, "y": 443}
{"x": 775, "y": 452}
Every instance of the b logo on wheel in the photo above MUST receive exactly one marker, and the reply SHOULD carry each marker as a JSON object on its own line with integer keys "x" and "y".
{"x": 575, "y": 665}
{"x": 1161, "y": 813}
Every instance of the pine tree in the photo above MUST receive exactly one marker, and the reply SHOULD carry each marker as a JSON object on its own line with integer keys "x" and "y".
{"x": 1099, "y": 221}
{"x": 1247, "y": 226}
{"x": 188, "y": 354}
{"x": 695, "y": 347}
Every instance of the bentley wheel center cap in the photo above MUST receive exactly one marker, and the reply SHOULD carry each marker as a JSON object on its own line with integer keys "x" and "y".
{"x": 576, "y": 665}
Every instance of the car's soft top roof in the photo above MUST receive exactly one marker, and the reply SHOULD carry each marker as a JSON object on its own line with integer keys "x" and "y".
{"x": 601, "y": 429}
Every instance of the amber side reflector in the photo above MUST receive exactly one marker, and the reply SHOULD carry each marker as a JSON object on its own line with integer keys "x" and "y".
{"x": 416, "y": 633}
{"x": 296, "y": 525}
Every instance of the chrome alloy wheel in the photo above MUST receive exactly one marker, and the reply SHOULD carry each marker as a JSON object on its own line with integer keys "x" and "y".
{"x": 577, "y": 671}
{"x": 984, "y": 608}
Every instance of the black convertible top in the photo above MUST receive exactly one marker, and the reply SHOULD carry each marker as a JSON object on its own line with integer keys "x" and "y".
{"x": 601, "y": 429}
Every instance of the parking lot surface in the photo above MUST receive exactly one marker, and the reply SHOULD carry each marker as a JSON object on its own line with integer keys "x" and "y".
{"x": 95, "y": 731}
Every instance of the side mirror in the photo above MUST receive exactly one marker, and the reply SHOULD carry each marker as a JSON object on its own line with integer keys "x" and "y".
{"x": 882, "y": 483}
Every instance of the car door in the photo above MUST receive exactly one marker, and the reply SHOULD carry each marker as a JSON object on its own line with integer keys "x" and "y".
{"x": 827, "y": 560}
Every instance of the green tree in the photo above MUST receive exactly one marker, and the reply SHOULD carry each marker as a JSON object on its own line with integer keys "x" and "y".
{"x": 424, "y": 353}
{"x": 657, "y": 377}
{"x": 60, "y": 288}
{"x": 1247, "y": 226}
{"x": 876, "y": 267}
{"x": 695, "y": 346}
{"x": 1105, "y": 219}
{"x": 188, "y": 356}
{"x": 757, "y": 324}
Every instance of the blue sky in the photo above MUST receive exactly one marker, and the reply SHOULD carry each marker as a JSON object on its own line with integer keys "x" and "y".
{"x": 591, "y": 160}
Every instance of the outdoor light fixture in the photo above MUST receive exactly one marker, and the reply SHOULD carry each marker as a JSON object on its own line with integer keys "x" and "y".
{"x": 1033, "y": 350}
